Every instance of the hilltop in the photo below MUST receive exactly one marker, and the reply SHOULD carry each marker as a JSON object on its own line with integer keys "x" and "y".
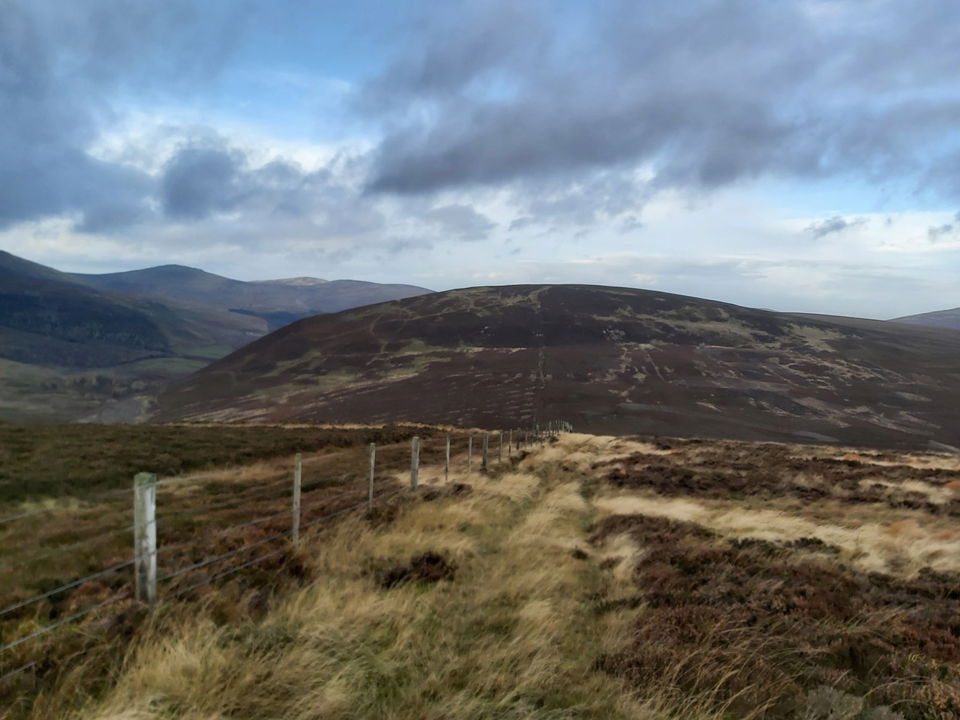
{"x": 609, "y": 360}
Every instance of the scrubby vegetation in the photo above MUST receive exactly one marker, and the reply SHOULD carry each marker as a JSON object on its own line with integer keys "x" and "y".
{"x": 597, "y": 578}
{"x": 50, "y": 461}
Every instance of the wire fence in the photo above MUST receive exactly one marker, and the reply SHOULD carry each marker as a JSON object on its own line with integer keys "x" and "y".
{"x": 479, "y": 448}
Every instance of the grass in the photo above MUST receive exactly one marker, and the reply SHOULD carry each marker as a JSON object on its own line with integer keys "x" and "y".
{"x": 39, "y": 462}
{"x": 589, "y": 580}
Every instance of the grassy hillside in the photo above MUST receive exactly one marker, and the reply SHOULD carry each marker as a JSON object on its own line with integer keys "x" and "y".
{"x": 611, "y": 360}
{"x": 597, "y": 578}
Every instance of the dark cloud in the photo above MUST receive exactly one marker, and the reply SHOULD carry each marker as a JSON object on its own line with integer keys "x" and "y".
{"x": 835, "y": 224}
{"x": 699, "y": 93}
{"x": 60, "y": 64}
{"x": 947, "y": 229}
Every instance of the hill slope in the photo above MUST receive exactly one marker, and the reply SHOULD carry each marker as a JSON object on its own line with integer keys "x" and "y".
{"x": 279, "y": 302}
{"x": 609, "y": 360}
{"x": 941, "y": 318}
{"x": 69, "y": 343}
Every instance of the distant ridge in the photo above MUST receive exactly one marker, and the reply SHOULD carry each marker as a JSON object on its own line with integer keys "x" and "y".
{"x": 949, "y": 319}
{"x": 73, "y": 344}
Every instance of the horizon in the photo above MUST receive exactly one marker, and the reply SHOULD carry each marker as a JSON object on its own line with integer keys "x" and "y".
{"x": 803, "y": 155}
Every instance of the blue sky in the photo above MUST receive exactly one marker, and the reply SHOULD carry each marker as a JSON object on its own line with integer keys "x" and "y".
{"x": 799, "y": 155}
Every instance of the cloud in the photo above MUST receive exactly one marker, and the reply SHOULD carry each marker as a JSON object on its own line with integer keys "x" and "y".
{"x": 61, "y": 65}
{"x": 947, "y": 229}
{"x": 703, "y": 93}
{"x": 461, "y": 221}
{"x": 835, "y": 224}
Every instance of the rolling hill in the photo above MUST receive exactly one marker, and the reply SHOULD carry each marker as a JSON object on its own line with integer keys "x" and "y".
{"x": 99, "y": 346}
{"x": 609, "y": 360}
{"x": 278, "y": 302}
{"x": 949, "y": 319}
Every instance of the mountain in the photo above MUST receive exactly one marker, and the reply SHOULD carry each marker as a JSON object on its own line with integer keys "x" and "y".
{"x": 70, "y": 343}
{"x": 949, "y": 319}
{"x": 609, "y": 360}
{"x": 278, "y": 302}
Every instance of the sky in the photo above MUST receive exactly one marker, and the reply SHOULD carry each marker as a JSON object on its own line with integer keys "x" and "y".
{"x": 796, "y": 155}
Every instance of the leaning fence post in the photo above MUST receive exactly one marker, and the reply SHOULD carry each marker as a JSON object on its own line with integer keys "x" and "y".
{"x": 145, "y": 536}
{"x": 297, "y": 482}
{"x": 414, "y": 462}
{"x": 486, "y": 445}
{"x": 446, "y": 466}
{"x": 373, "y": 465}
{"x": 469, "y": 453}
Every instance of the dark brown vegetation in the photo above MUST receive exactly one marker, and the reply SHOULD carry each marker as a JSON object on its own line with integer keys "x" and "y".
{"x": 43, "y": 461}
{"x": 610, "y": 360}
{"x": 737, "y": 471}
{"x": 760, "y": 625}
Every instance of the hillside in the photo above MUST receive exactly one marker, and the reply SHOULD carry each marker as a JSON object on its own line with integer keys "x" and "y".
{"x": 590, "y": 577}
{"x": 100, "y": 346}
{"x": 609, "y": 360}
{"x": 949, "y": 319}
{"x": 278, "y": 302}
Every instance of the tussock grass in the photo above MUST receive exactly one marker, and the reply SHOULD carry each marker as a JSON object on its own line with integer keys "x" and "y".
{"x": 566, "y": 595}
{"x": 510, "y": 637}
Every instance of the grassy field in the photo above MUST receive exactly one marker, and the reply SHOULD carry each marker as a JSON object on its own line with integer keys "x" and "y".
{"x": 596, "y": 578}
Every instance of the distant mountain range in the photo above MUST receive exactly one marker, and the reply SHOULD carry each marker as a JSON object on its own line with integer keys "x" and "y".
{"x": 69, "y": 342}
{"x": 610, "y": 360}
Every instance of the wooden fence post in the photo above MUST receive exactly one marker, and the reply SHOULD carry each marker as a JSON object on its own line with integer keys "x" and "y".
{"x": 297, "y": 483}
{"x": 486, "y": 444}
{"x": 470, "y": 453}
{"x": 373, "y": 465}
{"x": 145, "y": 536}
{"x": 414, "y": 463}
{"x": 500, "y": 448}
{"x": 446, "y": 465}
{"x": 509, "y": 445}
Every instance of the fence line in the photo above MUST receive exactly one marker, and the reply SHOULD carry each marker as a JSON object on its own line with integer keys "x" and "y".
{"x": 66, "y": 586}
{"x": 147, "y": 551}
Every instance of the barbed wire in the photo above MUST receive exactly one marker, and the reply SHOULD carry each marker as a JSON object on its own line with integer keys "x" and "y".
{"x": 63, "y": 621}
{"x": 66, "y": 586}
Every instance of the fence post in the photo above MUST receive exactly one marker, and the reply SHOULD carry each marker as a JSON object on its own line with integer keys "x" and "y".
{"x": 373, "y": 465}
{"x": 500, "y": 448}
{"x": 297, "y": 483}
{"x": 470, "y": 453}
{"x": 446, "y": 466}
{"x": 486, "y": 444}
{"x": 414, "y": 463}
{"x": 510, "y": 446}
{"x": 145, "y": 536}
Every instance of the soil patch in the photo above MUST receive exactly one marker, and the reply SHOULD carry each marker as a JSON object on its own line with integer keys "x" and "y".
{"x": 427, "y": 568}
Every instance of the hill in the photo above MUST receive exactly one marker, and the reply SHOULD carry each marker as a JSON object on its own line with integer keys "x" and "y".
{"x": 949, "y": 319}
{"x": 609, "y": 360}
{"x": 100, "y": 346}
{"x": 278, "y": 302}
